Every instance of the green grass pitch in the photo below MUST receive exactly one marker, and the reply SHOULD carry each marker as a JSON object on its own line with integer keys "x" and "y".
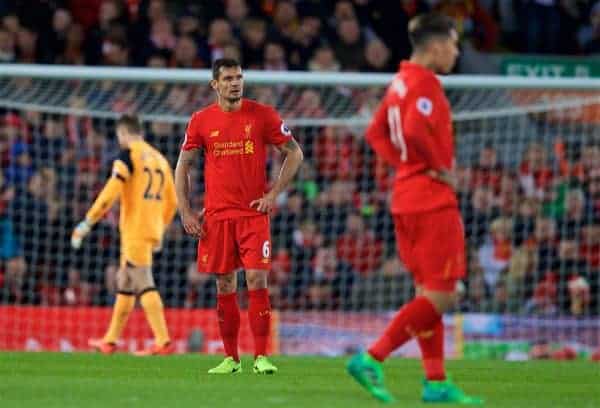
{"x": 91, "y": 380}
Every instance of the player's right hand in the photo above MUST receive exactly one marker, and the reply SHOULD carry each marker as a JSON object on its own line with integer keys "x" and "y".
{"x": 79, "y": 233}
{"x": 193, "y": 223}
{"x": 444, "y": 176}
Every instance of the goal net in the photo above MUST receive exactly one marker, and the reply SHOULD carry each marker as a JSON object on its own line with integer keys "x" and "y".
{"x": 528, "y": 161}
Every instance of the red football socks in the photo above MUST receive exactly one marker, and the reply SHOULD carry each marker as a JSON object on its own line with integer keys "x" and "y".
{"x": 228, "y": 314}
{"x": 414, "y": 319}
{"x": 432, "y": 352}
{"x": 259, "y": 315}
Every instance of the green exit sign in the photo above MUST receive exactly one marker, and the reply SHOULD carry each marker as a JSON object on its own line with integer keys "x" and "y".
{"x": 551, "y": 67}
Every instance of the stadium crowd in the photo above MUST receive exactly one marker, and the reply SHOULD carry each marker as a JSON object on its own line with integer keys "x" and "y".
{"x": 533, "y": 227}
{"x": 347, "y": 35}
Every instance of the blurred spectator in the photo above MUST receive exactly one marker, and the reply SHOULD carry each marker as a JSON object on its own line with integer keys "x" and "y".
{"x": 324, "y": 60}
{"x": 236, "y": 12}
{"x": 219, "y": 36}
{"x": 288, "y": 218}
{"x": 487, "y": 171}
{"x": 544, "y": 243}
{"x": 478, "y": 213}
{"x": 535, "y": 175}
{"x": 337, "y": 274}
{"x": 549, "y": 26}
{"x": 185, "y": 54}
{"x": 590, "y": 245}
{"x": 494, "y": 255}
{"x": 350, "y": 45}
{"x": 7, "y": 47}
{"x": 574, "y": 217}
{"x": 111, "y": 13}
{"x": 232, "y": 51}
{"x": 377, "y": 57}
{"x": 11, "y": 256}
{"x": 589, "y": 36}
{"x": 473, "y": 22}
{"x": 73, "y": 51}
{"x": 275, "y": 57}
{"x": 306, "y": 240}
{"x": 544, "y": 299}
{"x": 27, "y": 46}
{"x": 338, "y": 154}
{"x": 49, "y": 147}
{"x": 57, "y": 39}
{"x": 115, "y": 47}
{"x": 162, "y": 38}
{"x": 579, "y": 295}
{"x": 285, "y": 22}
{"x": 359, "y": 247}
{"x": 20, "y": 168}
{"x": 253, "y": 35}
{"x": 306, "y": 40}
{"x": 525, "y": 219}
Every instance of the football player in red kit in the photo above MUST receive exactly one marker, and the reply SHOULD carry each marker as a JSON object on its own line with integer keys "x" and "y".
{"x": 233, "y": 227}
{"x": 412, "y": 131}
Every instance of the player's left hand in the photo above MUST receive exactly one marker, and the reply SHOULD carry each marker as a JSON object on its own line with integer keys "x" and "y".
{"x": 79, "y": 233}
{"x": 264, "y": 204}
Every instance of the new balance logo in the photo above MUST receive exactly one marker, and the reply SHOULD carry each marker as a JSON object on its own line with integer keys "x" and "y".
{"x": 214, "y": 133}
{"x": 264, "y": 313}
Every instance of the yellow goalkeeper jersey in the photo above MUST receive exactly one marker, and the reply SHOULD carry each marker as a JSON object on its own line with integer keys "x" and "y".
{"x": 142, "y": 179}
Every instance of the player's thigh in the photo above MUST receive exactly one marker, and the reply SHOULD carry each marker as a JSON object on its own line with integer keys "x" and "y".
{"x": 440, "y": 249}
{"x": 217, "y": 249}
{"x": 404, "y": 228}
{"x": 142, "y": 279}
{"x": 137, "y": 253}
{"x": 254, "y": 242}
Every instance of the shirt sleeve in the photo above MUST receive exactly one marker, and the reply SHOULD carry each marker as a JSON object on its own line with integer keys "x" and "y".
{"x": 123, "y": 166}
{"x": 276, "y": 131}
{"x": 107, "y": 197}
{"x": 421, "y": 112}
{"x": 193, "y": 139}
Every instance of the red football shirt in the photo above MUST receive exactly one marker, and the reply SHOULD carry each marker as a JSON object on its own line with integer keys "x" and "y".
{"x": 235, "y": 146}
{"x": 412, "y": 131}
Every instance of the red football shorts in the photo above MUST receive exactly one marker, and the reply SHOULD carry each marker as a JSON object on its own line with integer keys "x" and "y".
{"x": 432, "y": 246}
{"x": 231, "y": 244}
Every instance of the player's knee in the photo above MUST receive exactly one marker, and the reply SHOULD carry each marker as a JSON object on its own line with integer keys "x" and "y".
{"x": 226, "y": 284}
{"x": 442, "y": 301}
{"x": 256, "y": 279}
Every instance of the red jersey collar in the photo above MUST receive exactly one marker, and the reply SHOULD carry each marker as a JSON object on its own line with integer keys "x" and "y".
{"x": 411, "y": 66}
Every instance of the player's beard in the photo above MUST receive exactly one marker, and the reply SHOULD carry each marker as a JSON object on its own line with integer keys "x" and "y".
{"x": 233, "y": 100}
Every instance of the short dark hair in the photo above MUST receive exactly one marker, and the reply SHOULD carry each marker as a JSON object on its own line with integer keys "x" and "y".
{"x": 131, "y": 123}
{"x": 223, "y": 63}
{"x": 425, "y": 26}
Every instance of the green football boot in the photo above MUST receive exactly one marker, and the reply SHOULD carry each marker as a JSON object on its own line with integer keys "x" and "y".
{"x": 446, "y": 392}
{"x": 262, "y": 365}
{"x": 368, "y": 372}
{"x": 227, "y": 366}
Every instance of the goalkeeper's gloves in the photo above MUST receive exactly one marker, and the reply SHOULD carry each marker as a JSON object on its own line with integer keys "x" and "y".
{"x": 79, "y": 233}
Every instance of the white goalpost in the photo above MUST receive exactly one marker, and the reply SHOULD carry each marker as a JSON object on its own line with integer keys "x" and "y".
{"x": 528, "y": 161}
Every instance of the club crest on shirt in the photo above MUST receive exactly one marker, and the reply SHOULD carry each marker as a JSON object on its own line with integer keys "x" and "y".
{"x": 285, "y": 130}
{"x": 214, "y": 133}
{"x": 424, "y": 106}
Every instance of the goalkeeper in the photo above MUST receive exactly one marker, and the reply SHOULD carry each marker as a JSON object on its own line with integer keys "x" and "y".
{"x": 142, "y": 178}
